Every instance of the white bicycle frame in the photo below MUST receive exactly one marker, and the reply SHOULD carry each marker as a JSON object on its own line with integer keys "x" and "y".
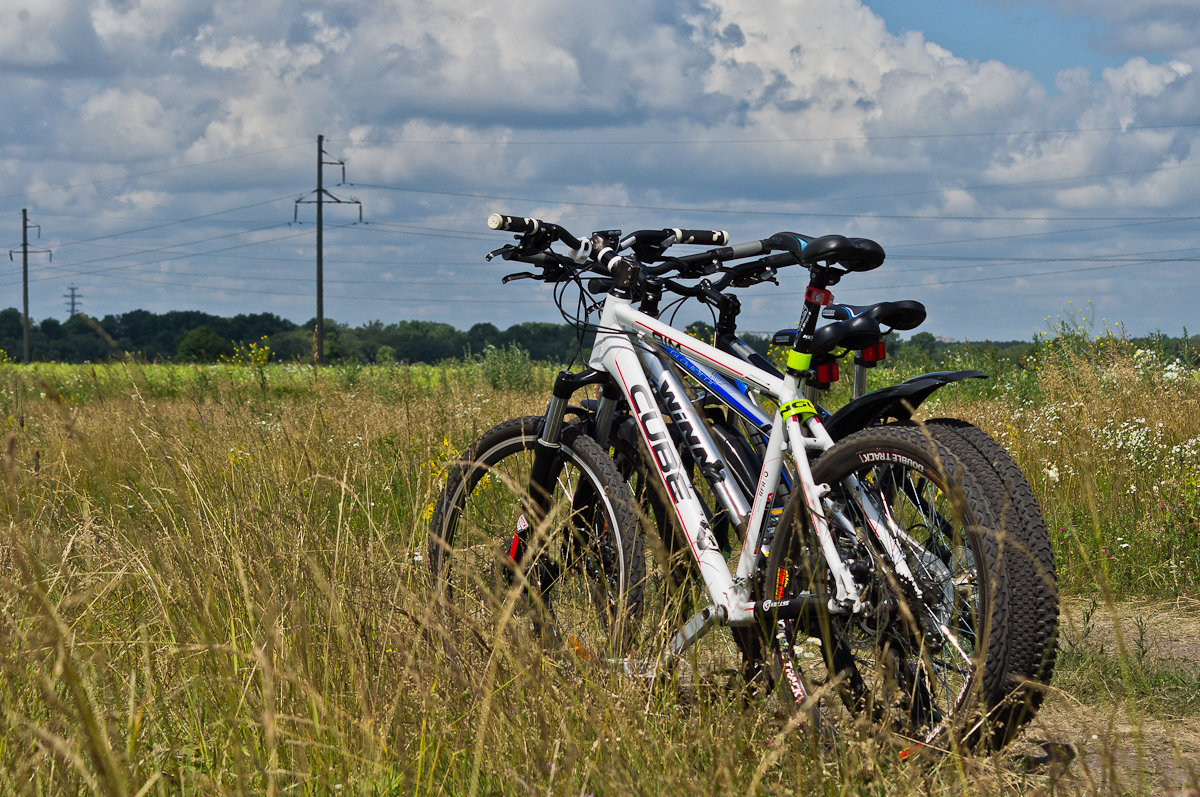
{"x": 625, "y": 348}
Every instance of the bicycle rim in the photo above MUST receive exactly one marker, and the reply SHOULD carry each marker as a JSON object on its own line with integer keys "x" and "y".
{"x": 570, "y": 591}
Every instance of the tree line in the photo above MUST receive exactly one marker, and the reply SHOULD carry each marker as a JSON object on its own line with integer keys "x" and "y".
{"x": 192, "y": 336}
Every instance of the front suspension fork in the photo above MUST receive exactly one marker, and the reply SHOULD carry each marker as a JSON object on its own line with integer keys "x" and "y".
{"x": 547, "y": 464}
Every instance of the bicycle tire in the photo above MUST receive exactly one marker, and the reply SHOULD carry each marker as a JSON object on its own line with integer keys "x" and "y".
{"x": 579, "y": 586}
{"x": 1029, "y": 558}
{"x": 931, "y": 669}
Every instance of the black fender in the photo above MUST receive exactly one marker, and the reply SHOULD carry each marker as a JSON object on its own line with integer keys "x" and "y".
{"x": 895, "y": 401}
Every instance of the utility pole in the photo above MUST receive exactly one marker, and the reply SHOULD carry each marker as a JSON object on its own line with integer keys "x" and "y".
{"x": 321, "y": 197}
{"x": 25, "y": 225}
{"x": 73, "y": 300}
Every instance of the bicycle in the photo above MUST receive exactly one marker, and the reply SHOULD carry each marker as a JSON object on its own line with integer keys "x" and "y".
{"x": 858, "y": 589}
{"x": 857, "y": 329}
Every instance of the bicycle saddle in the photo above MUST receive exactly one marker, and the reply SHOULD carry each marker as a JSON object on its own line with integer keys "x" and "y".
{"x": 904, "y": 314}
{"x": 851, "y": 333}
{"x": 852, "y": 254}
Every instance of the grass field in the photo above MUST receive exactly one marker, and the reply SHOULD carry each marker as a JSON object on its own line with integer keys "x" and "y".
{"x": 211, "y": 582}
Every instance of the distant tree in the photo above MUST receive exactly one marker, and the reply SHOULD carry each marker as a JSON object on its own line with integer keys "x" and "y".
{"x": 245, "y": 328}
{"x": 295, "y": 344}
{"x": 11, "y": 324}
{"x": 481, "y": 335}
{"x": 333, "y": 349}
{"x": 428, "y": 341}
{"x": 52, "y": 328}
{"x": 202, "y": 345}
{"x": 85, "y": 340}
{"x": 385, "y": 355}
{"x": 543, "y": 341}
{"x": 924, "y": 341}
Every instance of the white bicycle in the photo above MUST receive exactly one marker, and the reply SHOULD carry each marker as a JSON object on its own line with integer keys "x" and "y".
{"x": 883, "y": 552}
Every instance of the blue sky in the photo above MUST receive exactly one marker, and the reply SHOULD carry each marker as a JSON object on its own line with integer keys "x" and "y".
{"x": 1014, "y": 159}
{"x": 1033, "y": 36}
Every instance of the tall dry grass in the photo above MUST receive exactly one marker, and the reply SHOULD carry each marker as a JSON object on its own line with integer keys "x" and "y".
{"x": 211, "y": 582}
{"x": 1109, "y": 436}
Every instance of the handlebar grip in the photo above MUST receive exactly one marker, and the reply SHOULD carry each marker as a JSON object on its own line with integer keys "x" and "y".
{"x": 738, "y": 251}
{"x": 498, "y": 221}
{"x": 701, "y": 237}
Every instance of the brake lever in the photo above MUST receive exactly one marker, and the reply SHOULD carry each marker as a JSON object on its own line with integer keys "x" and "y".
{"x": 520, "y": 275}
{"x": 502, "y": 252}
{"x": 746, "y": 280}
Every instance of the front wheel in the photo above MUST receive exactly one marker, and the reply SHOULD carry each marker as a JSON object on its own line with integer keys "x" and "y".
{"x": 569, "y": 581}
{"x": 927, "y": 654}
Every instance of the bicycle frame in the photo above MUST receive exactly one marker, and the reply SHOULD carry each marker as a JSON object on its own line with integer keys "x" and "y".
{"x": 625, "y": 348}
{"x": 626, "y": 355}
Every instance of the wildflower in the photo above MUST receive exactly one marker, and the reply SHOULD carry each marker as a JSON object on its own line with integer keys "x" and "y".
{"x": 1051, "y": 472}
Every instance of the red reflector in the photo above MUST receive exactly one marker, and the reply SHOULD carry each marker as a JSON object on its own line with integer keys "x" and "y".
{"x": 818, "y": 296}
{"x": 827, "y": 372}
{"x": 874, "y": 354}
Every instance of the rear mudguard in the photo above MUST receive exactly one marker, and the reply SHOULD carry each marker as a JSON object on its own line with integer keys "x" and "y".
{"x": 895, "y": 401}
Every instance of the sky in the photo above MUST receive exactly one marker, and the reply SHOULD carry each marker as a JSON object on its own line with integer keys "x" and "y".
{"x": 1021, "y": 163}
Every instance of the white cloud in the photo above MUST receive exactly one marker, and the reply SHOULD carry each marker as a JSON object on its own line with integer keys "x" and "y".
{"x": 802, "y": 107}
{"x": 146, "y": 21}
{"x": 127, "y": 121}
{"x": 32, "y": 33}
{"x": 1139, "y": 78}
{"x": 144, "y": 201}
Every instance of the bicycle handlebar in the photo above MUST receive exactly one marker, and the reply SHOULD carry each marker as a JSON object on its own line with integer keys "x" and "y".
{"x": 852, "y": 254}
{"x": 526, "y": 226}
{"x": 700, "y": 237}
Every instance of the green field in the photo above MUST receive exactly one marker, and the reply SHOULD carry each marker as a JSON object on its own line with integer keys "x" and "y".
{"x": 212, "y": 582}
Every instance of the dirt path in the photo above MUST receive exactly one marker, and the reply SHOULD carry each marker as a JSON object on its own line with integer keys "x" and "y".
{"x": 1095, "y": 733}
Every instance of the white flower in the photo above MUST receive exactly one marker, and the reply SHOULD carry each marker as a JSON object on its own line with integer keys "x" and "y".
{"x": 1051, "y": 472}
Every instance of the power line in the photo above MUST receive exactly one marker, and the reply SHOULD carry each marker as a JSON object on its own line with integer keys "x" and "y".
{"x": 973, "y": 261}
{"x": 150, "y": 173}
{"x": 1000, "y": 277}
{"x": 179, "y": 256}
{"x": 1042, "y": 234}
{"x": 173, "y": 223}
{"x": 166, "y": 248}
{"x": 408, "y": 299}
{"x": 793, "y": 213}
{"x": 772, "y": 140}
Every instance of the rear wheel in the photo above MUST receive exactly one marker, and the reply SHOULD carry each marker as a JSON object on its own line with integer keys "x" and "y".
{"x": 1033, "y": 592}
{"x": 573, "y": 582}
{"x": 927, "y": 656}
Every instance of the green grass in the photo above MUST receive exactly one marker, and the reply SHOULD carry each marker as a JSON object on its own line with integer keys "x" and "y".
{"x": 1114, "y": 671}
{"x": 211, "y": 581}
